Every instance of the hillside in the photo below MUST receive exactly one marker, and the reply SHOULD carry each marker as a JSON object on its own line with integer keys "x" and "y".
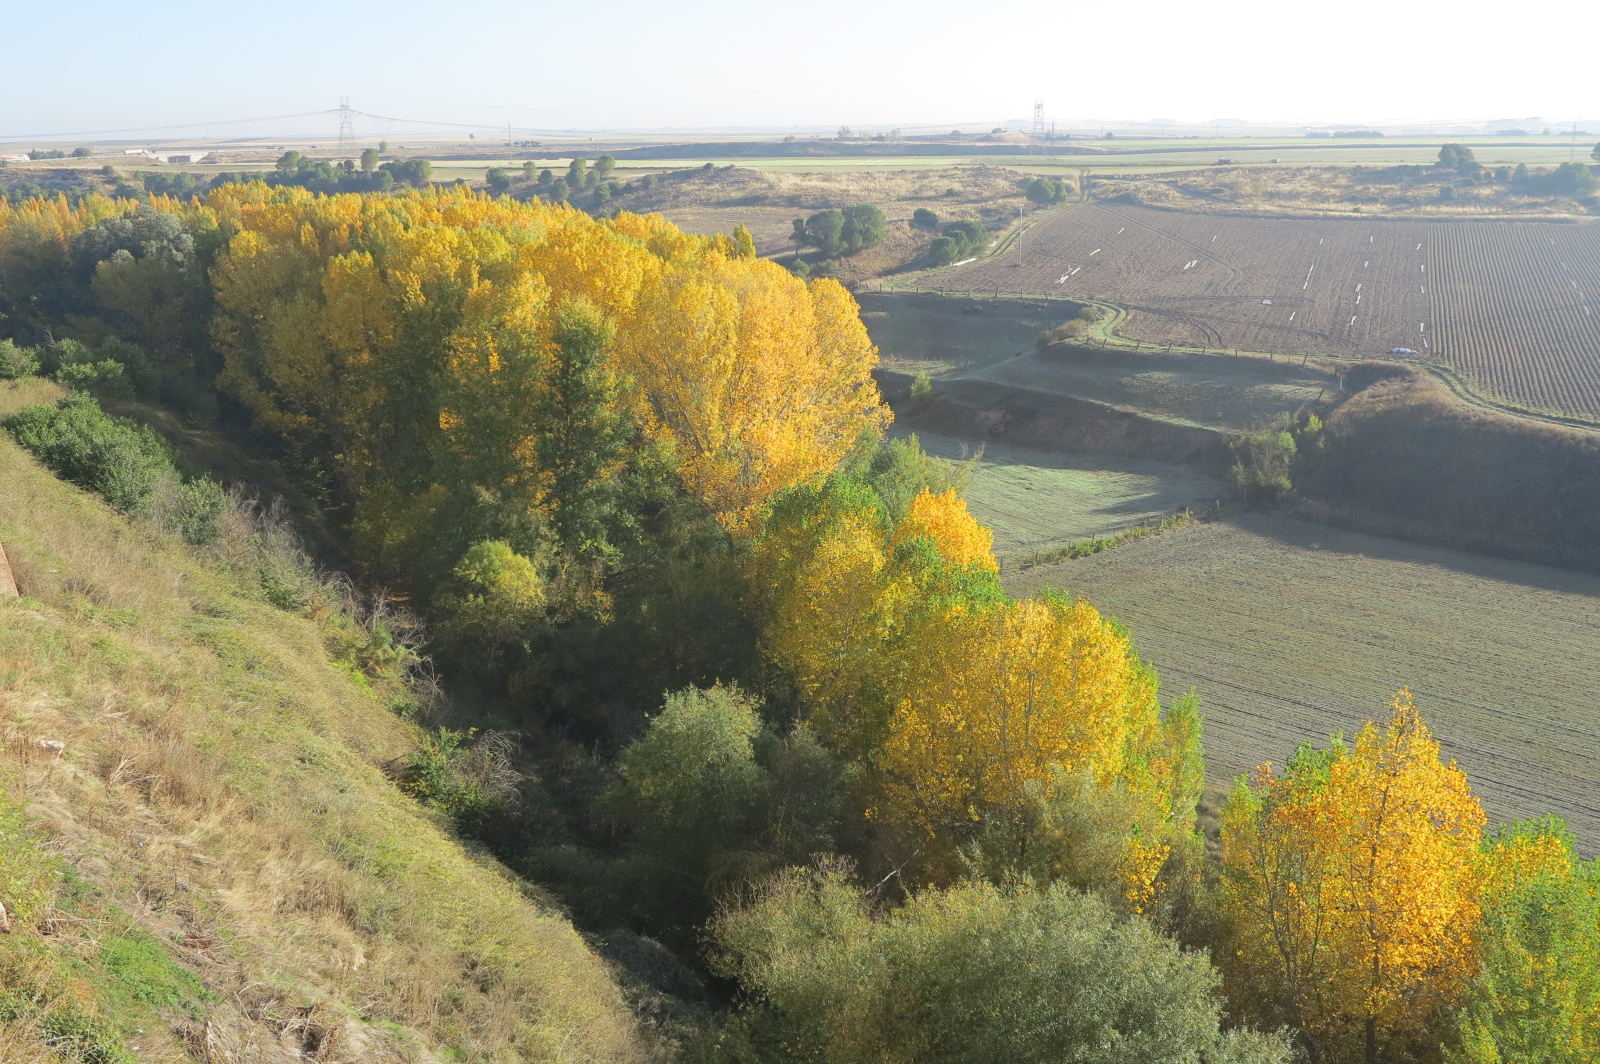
{"x": 213, "y": 864}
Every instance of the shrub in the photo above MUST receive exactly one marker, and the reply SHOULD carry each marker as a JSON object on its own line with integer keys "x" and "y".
{"x": 923, "y": 218}
{"x": 16, "y": 362}
{"x": 120, "y": 461}
{"x": 974, "y": 974}
{"x": 921, "y": 386}
{"x": 462, "y": 774}
{"x": 107, "y": 379}
{"x": 943, "y": 250}
{"x": 1263, "y": 461}
{"x": 192, "y": 508}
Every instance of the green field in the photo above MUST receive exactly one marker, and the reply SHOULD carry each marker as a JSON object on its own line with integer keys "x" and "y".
{"x": 1036, "y": 501}
{"x": 1291, "y": 630}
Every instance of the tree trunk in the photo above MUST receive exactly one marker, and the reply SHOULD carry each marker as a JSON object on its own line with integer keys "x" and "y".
{"x": 1372, "y": 1041}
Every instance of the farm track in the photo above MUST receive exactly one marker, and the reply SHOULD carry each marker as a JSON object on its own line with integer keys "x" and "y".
{"x": 1512, "y": 309}
{"x": 1291, "y": 630}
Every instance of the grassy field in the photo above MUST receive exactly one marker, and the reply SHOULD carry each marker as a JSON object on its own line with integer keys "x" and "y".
{"x": 1291, "y": 631}
{"x": 1035, "y": 501}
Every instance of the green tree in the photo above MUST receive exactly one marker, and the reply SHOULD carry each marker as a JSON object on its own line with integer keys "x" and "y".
{"x": 497, "y": 179}
{"x": 495, "y": 601}
{"x": 1458, "y": 157}
{"x": 944, "y": 250}
{"x": 1595, "y": 154}
{"x": 604, "y": 165}
{"x": 529, "y": 170}
{"x": 585, "y": 432}
{"x": 923, "y": 218}
{"x": 823, "y": 231}
{"x": 546, "y": 177}
{"x": 1537, "y": 996}
{"x": 863, "y": 228}
{"x": 975, "y": 974}
{"x": 559, "y": 190}
{"x": 576, "y": 170}
{"x": 1046, "y": 191}
{"x": 369, "y": 160}
{"x": 288, "y": 162}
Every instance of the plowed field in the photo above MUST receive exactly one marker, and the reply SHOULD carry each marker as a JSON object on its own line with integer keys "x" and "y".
{"x": 1515, "y": 306}
{"x": 1290, "y": 631}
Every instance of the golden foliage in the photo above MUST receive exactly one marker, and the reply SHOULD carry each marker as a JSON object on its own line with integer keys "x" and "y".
{"x": 1001, "y": 705}
{"x": 1352, "y": 884}
{"x": 957, "y": 534}
{"x": 401, "y": 327}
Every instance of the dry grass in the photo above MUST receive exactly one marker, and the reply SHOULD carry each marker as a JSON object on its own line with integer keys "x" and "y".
{"x": 768, "y": 201}
{"x": 222, "y": 787}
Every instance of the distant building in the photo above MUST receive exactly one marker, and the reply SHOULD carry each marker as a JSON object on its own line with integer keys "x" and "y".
{"x": 24, "y": 157}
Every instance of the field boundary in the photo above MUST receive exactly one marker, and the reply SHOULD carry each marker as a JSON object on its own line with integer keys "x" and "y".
{"x": 1084, "y": 548}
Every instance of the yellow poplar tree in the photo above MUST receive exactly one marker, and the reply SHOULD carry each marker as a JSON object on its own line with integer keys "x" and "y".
{"x": 1352, "y": 885}
{"x": 1002, "y": 705}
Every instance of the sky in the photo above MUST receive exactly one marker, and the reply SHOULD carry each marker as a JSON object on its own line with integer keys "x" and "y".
{"x": 638, "y": 64}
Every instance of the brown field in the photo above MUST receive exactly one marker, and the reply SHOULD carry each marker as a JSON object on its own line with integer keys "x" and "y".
{"x": 1291, "y": 631}
{"x": 1513, "y": 306}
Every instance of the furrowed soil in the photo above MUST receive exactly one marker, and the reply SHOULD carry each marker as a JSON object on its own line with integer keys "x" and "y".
{"x": 1512, "y": 306}
{"x": 1290, "y": 631}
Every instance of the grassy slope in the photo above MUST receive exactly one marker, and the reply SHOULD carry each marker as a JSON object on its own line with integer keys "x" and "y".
{"x": 220, "y": 805}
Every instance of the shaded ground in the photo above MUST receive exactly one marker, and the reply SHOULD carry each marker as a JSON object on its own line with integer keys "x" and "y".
{"x": 1035, "y": 500}
{"x": 1291, "y": 631}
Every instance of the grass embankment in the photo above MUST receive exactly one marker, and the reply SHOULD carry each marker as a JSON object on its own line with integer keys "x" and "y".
{"x": 213, "y": 864}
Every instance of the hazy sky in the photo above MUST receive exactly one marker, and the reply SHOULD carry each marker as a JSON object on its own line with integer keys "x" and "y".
{"x": 96, "y": 65}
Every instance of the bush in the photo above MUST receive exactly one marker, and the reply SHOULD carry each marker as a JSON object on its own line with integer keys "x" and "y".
{"x": 974, "y": 974}
{"x": 106, "y": 379}
{"x": 923, "y": 218}
{"x": 1046, "y": 191}
{"x": 120, "y": 461}
{"x": 124, "y": 463}
{"x": 921, "y": 386}
{"x": 466, "y": 776}
{"x": 16, "y": 362}
{"x": 192, "y": 509}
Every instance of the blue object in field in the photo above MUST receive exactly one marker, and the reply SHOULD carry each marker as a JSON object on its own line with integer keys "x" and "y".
{"x": 1402, "y": 351}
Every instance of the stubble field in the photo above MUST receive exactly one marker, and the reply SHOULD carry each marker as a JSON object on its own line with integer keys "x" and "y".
{"x": 1510, "y": 305}
{"x": 1291, "y": 631}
